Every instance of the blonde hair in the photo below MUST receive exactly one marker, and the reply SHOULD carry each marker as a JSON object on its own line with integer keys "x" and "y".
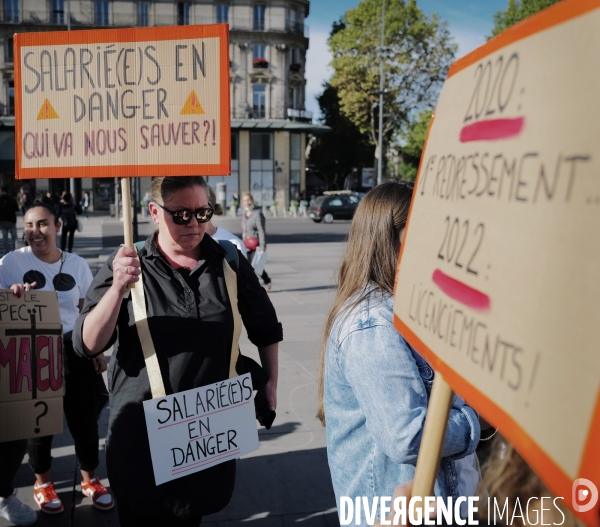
{"x": 212, "y": 198}
{"x": 507, "y": 477}
{"x": 247, "y": 194}
{"x": 369, "y": 261}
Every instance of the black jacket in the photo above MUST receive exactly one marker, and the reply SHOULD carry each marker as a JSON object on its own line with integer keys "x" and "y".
{"x": 8, "y": 208}
{"x": 191, "y": 324}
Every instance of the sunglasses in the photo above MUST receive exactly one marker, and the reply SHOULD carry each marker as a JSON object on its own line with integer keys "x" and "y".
{"x": 183, "y": 217}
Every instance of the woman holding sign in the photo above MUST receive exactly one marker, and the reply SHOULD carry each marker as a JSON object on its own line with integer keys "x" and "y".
{"x": 374, "y": 388}
{"x": 191, "y": 323}
{"x": 43, "y": 266}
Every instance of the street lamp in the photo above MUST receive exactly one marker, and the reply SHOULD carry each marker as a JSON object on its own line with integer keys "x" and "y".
{"x": 381, "y": 87}
{"x": 72, "y": 180}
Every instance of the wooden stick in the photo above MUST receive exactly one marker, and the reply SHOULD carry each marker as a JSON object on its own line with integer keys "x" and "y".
{"x": 432, "y": 441}
{"x": 127, "y": 219}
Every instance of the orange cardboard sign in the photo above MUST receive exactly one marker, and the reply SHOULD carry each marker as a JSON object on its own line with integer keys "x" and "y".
{"x": 123, "y": 102}
{"x": 498, "y": 281}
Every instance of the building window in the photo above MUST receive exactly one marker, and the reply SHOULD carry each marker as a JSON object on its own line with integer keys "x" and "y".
{"x": 183, "y": 13}
{"x": 259, "y": 18}
{"x": 259, "y": 52}
{"x": 58, "y": 12}
{"x": 294, "y": 146}
{"x": 232, "y": 182}
{"x": 261, "y": 167}
{"x": 9, "y": 50}
{"x": 11, "y": 10}
{"x": 293, "y": 98}
{"x": 101, "y": 12}
{"x": 259, "y": 59}
{"x": 259, "y": 101}
{"x": 143, "y": 14}
{"x": 222, "y": 14}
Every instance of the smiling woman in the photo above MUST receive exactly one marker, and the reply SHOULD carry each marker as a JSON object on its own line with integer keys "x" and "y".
{"x": 43, "y": 266}
{"x": 190, "y": 318}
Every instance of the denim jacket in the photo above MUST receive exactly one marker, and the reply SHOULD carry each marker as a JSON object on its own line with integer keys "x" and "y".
{"x": 376, "y": 393}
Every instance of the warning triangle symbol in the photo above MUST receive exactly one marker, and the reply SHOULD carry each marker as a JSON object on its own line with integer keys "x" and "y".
{"x": 192, "y": 105}
{"x": 47, "y": 111}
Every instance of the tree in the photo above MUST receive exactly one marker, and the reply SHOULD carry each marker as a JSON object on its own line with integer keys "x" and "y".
{"x": 517, "y": 11}
{"x": 418, "y": 51}
{"x": 414, "y": 139}
{"x": 335, "y": 154}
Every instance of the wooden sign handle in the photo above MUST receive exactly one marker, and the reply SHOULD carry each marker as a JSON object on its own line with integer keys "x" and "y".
{"x": 127, "y": 219}
{"x": 434, "y": 432}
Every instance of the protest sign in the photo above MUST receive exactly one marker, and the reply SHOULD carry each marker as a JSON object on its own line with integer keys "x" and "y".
{"x": 122, "y": 102}
{"x": 31, "y": 365}
{"x": 498, "y": 281}
{"x": 193, "y": 430}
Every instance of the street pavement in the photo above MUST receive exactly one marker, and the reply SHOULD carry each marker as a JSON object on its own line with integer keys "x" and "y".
{"x": 286, "y": 482}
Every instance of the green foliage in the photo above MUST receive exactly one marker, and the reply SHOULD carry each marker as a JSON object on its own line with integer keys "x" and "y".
{"x": 407, "y": 171}
{"x": 335, "y": 154}
{"x": 418, "y": 51}
{"x": 518, "y": 10}
{"x": 414, "y": 138}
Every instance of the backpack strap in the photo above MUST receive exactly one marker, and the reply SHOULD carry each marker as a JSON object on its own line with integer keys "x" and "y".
{"x": 230, "y": 264}
{"x": 140, "y": 314}
{"x": 231, "y": 253}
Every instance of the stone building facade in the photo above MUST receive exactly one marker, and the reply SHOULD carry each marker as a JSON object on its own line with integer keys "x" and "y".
{"x": 268, "y": 44}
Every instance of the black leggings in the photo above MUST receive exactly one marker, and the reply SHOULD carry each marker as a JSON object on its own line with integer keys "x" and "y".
{"x": 129, "y": 518}
{"x": 85, "y": 396}
{"x": 11, "y": 456}
{"x": 264, "y": 275}
{"x": 63, "y": 239}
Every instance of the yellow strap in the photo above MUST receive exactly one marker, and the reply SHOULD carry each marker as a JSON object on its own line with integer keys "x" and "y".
{"x": 140, "y": 314}
{"x": 231, "y": 284}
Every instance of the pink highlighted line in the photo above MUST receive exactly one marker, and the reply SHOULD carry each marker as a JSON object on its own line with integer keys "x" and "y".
{"x": 461, "y": 292}
{"x": 492, "y": 130}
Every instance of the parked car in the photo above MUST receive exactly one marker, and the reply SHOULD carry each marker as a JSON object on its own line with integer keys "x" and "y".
{"x": 333, "y": 206}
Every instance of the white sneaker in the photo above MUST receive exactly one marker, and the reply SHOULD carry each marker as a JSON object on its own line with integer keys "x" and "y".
{"x": 16, "y": 512}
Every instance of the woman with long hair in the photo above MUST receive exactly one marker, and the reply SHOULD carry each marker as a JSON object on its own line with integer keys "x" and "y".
{"x": 373, "y": 387}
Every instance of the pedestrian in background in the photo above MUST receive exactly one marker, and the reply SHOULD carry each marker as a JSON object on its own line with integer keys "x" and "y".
{"x": 254, "y": 233}
{"x": 219, "y": 233}
{"x": 8, "y": 219}
{"x": 68, "y": 215}
{"x": 41, "y": 266}
{"x": 373, "y": 386}
{"x": 85, "y": 203}
{"x": 23, "y": 199}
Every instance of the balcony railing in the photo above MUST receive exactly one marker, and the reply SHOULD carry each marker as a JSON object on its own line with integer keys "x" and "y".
{"x": 266, "y": 24}
{"x": 299, "y": 115}
{"x": 16, "y": 14}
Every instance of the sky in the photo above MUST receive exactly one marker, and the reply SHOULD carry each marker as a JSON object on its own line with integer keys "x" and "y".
{"x": 470, "y": 22}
